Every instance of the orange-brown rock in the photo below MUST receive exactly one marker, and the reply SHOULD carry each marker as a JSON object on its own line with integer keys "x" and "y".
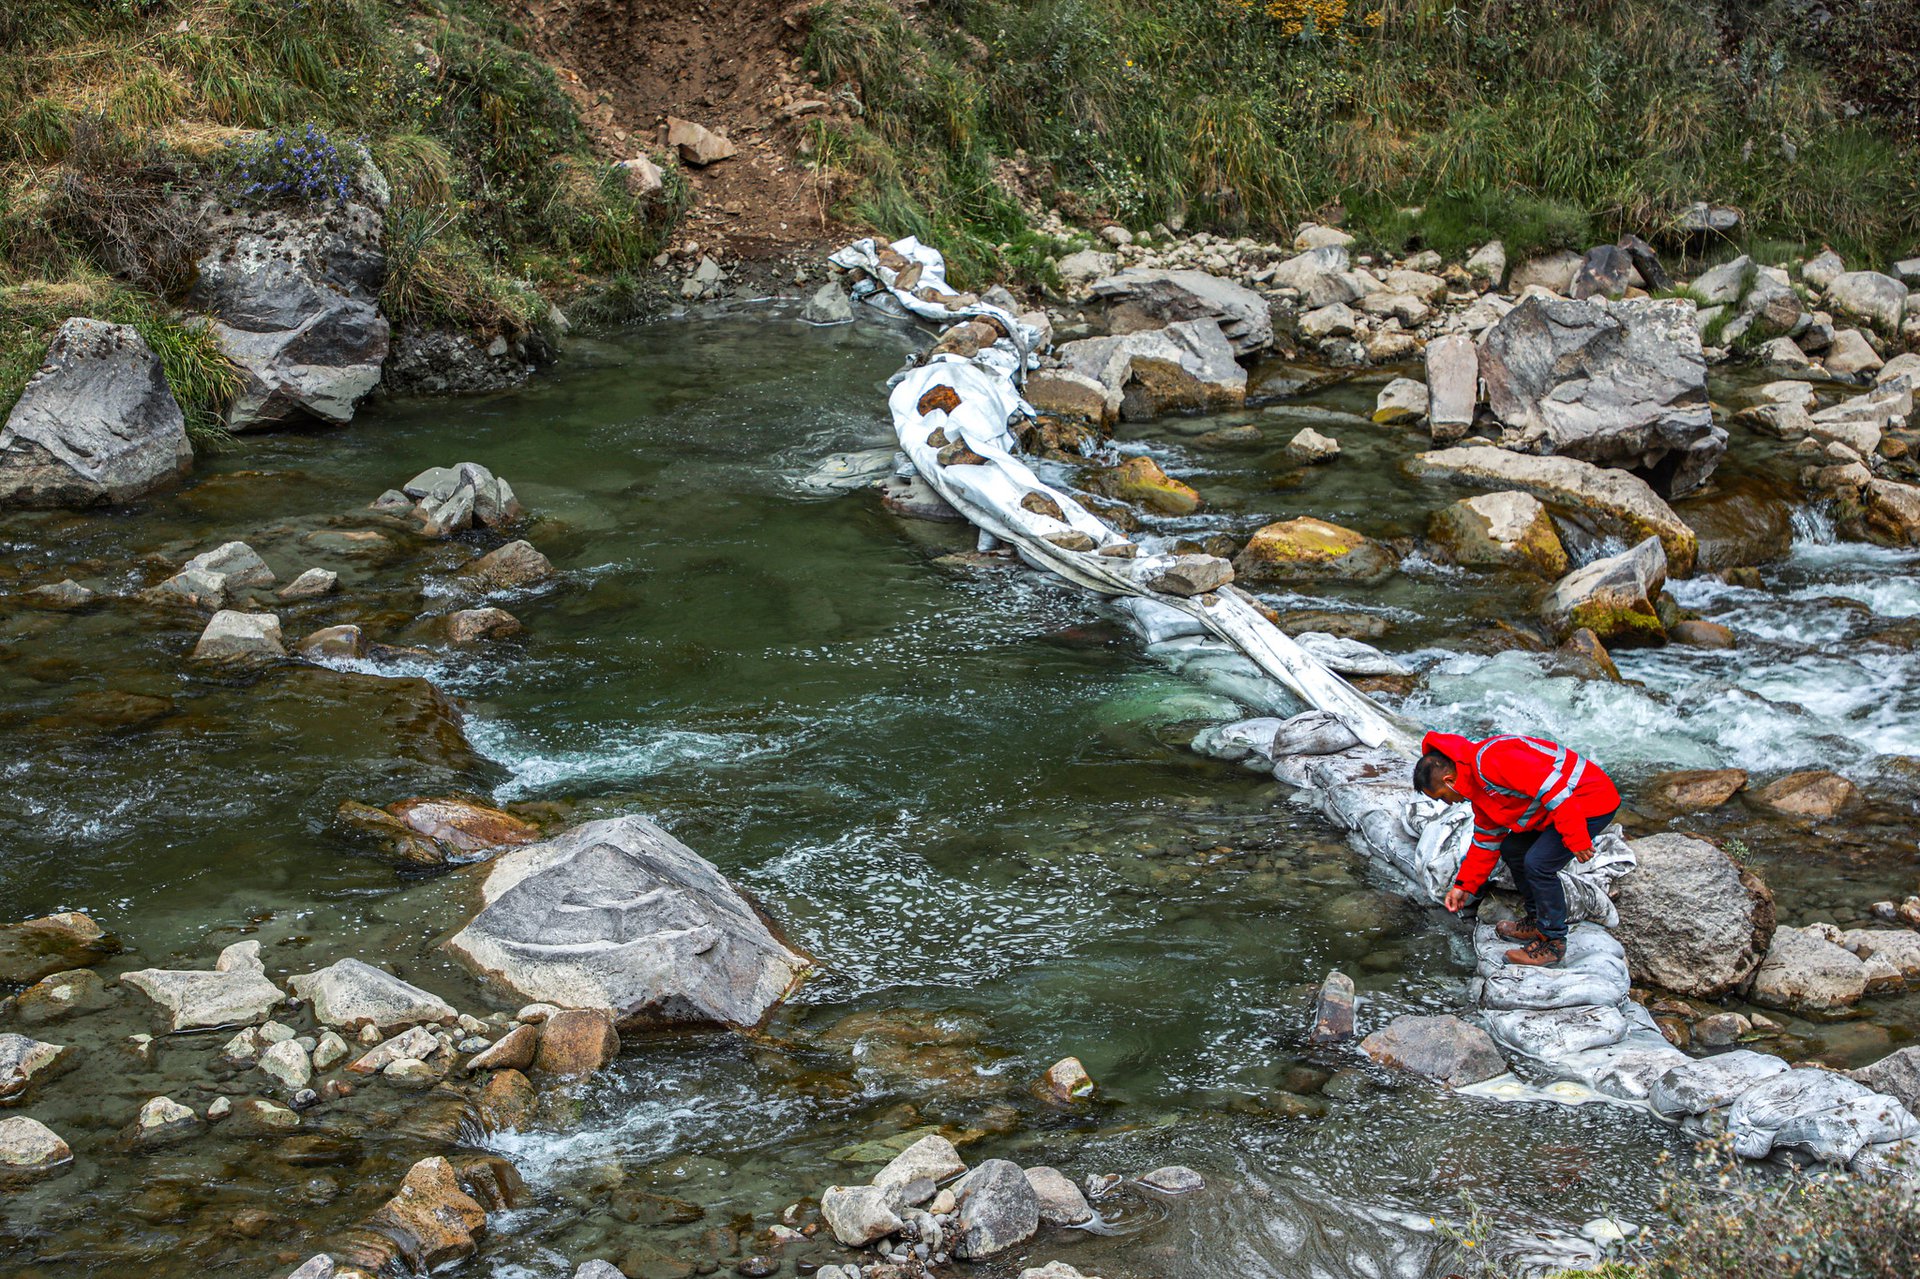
{"x": 577, "y": 1041}
{"x": 941, "y": 397}
{"x": 1695, "y": 789}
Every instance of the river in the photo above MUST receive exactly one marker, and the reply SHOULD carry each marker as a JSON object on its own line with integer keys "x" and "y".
{"x": 964, "y": 790}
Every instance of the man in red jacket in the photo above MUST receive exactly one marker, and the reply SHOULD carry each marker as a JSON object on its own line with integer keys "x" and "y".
{"x": 1536, "y": 806}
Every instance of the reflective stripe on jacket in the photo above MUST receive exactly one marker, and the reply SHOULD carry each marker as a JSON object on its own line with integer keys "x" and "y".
{"x": 1522, "y": 784}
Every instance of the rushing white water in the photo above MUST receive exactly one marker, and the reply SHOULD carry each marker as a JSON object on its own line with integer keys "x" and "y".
{"x": 1821, "y": 676}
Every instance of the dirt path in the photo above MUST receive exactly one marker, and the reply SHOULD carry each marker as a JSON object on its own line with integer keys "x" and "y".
{"x": 729, "y": 65}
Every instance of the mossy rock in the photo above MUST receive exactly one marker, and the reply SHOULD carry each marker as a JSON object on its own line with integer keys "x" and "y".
{"x": 1313, "y": 549}
{"x": 1140, "y": 480}
{"x": 1500, "y": 530}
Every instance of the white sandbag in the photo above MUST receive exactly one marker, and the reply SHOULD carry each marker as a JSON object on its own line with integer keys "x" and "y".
{"x": 1696, "y": 1087}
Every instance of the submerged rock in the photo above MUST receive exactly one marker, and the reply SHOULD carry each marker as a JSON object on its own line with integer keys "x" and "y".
{"x": 37, "y": 948}
{"x": 1618, "y": 384}
{"x": 1443, "y": 1048}
{"x": 1174, "y": 1179}
{"x": 1605, "y": 502}
{"x": 619, "y": 915}
{"x": 234, "y": 992}
{"x": 96, "y": 425}
{"x": 351, "y": 995}
{"x": 1691, "y": 920}
{"x": 1613, "y": 597}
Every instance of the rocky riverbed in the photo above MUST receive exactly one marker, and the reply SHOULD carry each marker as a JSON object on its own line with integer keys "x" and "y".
{"x": 835, "y": 706}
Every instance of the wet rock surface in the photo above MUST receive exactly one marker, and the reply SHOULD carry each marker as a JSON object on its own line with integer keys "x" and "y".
{"x": 620, "y": 915}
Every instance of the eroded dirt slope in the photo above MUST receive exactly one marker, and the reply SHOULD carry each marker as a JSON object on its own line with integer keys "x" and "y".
{"x": 729, "y": 65}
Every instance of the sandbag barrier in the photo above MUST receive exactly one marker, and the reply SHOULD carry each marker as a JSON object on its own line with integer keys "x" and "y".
{"x": 1574, "y": 1028}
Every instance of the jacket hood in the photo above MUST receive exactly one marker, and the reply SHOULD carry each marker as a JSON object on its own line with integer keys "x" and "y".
{"x": 1455, "y": 747}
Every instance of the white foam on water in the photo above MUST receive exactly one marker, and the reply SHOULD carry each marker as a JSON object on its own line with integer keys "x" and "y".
{"x": 618, "y": 755}
{"x": 879, "y": 915}
{"x": 638, "y": 1114}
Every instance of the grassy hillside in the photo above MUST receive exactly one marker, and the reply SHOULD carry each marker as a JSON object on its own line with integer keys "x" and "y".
{"x": 1545, "y": 122}
{"x": 116, "y": 114}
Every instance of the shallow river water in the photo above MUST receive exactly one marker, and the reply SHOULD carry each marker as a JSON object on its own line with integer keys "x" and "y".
{"x": 964, "y": 790}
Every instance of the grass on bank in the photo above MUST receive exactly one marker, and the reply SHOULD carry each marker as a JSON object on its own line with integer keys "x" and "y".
{"x": 1727, "y": 1218}
{"x": 1547, "y": 123}
{"x": 117, "y": 117}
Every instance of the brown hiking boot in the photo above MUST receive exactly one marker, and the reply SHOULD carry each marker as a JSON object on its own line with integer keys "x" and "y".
{"x": 1538, "y": 953}
{"x": 1518, "y": 930}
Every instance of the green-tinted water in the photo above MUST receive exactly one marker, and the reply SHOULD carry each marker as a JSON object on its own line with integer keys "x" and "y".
{"x": 965, "y": 791}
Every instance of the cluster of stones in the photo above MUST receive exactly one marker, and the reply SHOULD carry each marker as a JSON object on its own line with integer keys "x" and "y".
{"x": 927, "y": 1207}
{"x": 242, "y": 593}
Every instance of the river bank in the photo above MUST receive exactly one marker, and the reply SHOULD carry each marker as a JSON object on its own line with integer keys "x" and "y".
{"x": 608, "y": 702}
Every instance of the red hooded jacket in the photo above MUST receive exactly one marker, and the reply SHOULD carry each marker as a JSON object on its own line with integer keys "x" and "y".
{"x": 1522, "y": 784}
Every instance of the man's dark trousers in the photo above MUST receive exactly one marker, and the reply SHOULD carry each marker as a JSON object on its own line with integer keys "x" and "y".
{"x": 1535, "y": 859}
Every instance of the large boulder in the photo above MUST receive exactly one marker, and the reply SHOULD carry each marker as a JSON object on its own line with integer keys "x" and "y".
{"x": 1691, "y": 920}
{"x": 1878, "y": 299}
{"x": 1612, "y": 597}
{"x": 294, "y": 300}
{"x": 1444, "y": 1048}
{"x": 618, "y": 914}
{"x": 1309, "y": 549}
{"x": 1500, "y": 530}
{"x": 234, "y": 992}
{"x": 1615, "y": 383}
{"x": 1803, "y": 970}
{"x": 1187, "y": 366}
{"x": 1604, "y": 502}
{"x": 1140, "y": 299}
{"x": 95, "y": 425}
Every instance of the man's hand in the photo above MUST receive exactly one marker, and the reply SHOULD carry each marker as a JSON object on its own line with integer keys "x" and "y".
{"x": 1585, "y": 854}
{"x": 1457, "y": 899}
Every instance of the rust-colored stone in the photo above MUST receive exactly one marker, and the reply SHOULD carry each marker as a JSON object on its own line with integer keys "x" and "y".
{"x": 942, "y": 397}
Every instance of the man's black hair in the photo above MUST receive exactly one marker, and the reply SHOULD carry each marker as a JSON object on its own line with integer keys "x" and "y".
{"x": 1426, "y": 769}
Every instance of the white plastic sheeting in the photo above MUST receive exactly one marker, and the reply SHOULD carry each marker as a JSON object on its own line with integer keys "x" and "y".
{"x": 1575, "y": 1023}
{"x": 998, "y": 492}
